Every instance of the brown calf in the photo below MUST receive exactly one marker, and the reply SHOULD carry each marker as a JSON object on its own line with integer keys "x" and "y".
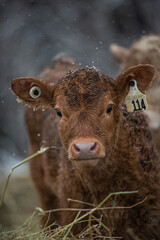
{"x": 104, "y": 148}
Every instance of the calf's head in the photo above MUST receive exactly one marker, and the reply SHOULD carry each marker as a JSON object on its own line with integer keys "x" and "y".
{"x": 145, "y": 50}
{"x": 87, "y": 104}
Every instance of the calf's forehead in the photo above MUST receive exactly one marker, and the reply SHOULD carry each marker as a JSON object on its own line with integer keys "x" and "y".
{"x": 83, "y": 87}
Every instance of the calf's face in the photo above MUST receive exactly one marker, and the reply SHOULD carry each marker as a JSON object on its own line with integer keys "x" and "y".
{"x": 86, "y": 119}
{"x": 87, "y": 105}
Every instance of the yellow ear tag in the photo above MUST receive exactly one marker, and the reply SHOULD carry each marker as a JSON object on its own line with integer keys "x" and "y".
{"x": 135, "y": 100}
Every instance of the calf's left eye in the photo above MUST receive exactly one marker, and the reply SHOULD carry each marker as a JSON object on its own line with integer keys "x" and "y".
{"x": 59, "y": 114}
{"x": 109, "y": 109}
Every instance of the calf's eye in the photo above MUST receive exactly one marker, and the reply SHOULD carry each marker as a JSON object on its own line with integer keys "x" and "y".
{"x": 59, "y": 114}
{"x": 109, "y": 109}
{"x": 35, "y": 92}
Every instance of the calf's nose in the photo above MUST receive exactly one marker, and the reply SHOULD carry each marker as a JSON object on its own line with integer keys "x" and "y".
{"x": 87, "y": 150}
{"x": 85, "y": 147}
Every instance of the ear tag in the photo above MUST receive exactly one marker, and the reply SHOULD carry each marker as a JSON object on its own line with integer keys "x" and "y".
{"x": 135, "y": 100}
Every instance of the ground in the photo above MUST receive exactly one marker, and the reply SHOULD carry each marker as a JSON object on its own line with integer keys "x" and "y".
{"x": 19, "y": 202}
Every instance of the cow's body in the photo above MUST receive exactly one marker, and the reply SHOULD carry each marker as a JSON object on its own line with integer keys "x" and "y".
{"x": 129, "y": 163}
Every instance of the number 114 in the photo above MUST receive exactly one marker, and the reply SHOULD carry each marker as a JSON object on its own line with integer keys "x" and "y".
{"x": 138, "y": 105}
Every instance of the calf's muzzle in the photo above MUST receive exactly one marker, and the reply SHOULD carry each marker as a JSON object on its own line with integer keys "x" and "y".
{"x": 86, "y": 149}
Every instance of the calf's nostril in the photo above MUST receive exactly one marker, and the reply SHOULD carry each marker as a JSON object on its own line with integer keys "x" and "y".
{"x": 76, "y": 148}
{"x": 93, "y": 147}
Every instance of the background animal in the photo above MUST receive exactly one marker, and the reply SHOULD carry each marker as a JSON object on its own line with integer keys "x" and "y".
{"x": 101, "y": 149}
{"x": 143, "y": 51}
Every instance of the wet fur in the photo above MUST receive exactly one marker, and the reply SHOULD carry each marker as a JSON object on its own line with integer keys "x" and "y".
{"x": 130, "y": 164}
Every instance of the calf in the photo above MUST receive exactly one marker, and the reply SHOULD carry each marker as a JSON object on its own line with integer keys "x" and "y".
{"x": 145, "y": 50}
{"x": 102, "y": 148}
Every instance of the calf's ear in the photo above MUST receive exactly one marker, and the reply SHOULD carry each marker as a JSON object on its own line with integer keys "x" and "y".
{"x": 119, "y": 53}
{"x": 142, "y": 73}
{"x": 34, "y": 92}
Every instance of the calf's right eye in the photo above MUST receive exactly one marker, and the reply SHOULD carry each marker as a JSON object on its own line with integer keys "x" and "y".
{"x": 59, "y": 114}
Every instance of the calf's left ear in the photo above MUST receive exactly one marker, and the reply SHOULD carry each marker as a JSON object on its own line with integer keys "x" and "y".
{"x": 34, "y": 92}
{"x": 143, "y": 74}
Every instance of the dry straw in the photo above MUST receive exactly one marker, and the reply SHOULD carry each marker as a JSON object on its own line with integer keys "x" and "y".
{"x": 30, "y": 230}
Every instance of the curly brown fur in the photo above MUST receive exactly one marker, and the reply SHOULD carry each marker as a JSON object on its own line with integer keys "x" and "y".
{"x": 128, "y": 163}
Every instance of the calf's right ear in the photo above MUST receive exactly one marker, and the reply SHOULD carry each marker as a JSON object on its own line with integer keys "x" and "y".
{"x": 34, "y": 92}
